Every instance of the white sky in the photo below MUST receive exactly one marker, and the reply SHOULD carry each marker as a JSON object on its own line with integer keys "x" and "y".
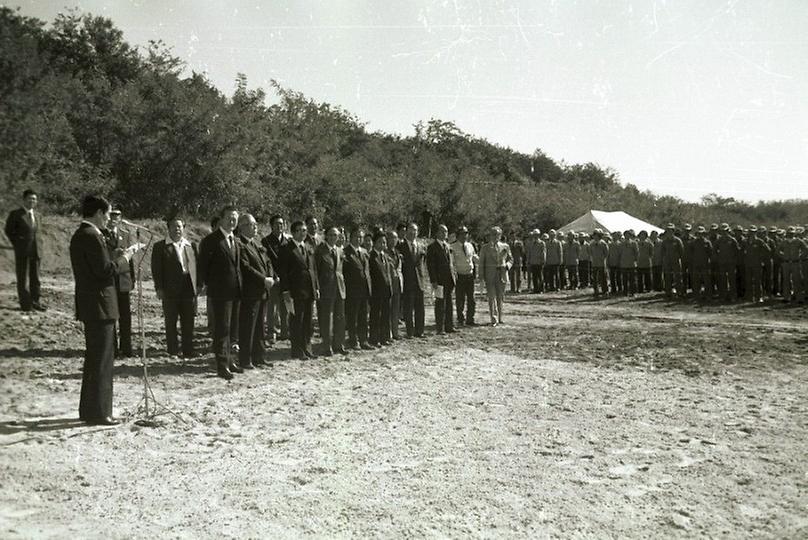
{"x": 680, "y": 97}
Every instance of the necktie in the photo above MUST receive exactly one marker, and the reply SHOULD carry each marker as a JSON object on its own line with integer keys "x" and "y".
{"x": 184, "y": 259}
{"x": 334, "y": 255}
{"x": 231, "y": 244}
{"x": 31, "y": 216}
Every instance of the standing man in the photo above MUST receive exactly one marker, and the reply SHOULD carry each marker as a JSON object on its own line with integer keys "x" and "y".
{"x": 356, "y": 271}
{"x": 615, "y": 277}
{"x": 536, "y": 255}
{"x": 328, "y": 259}
{"x": 645, "y": 259}
{"x": 396, "y": 282}
{"x": 413, "y": 265}
{"x": 598, "y": 253}
{"x": 465, "y": 259}
{"x": 672, "y": 249}
{"x": 656, "y": 261}
{"x": 300, "y": 290}
{"x": 572, "y": 251}
{"x": 258, "y": 277}
{"x": 123, "y": 285}
{"x": 518, "y": 254}
{"x": 555, "y": 258}
{"x": 629, "y": 253}
{"x": 584, "y": 260}
{"x": 97, "y": 307}
{"x": 381, "y": 292}
{"x": 757, "y": 254}
{"x": 440, "y": 265}
{"x": 173, "y": 266}
{"x": 726, "y": 252}
{"x": 21, "y": 229}
{"x": 274, "y": 243}
{"x": 792, "y": 251}
{"x": 701, "y": 254}
{"x": 313, "y": 238}
{"x": 220, "y": 272}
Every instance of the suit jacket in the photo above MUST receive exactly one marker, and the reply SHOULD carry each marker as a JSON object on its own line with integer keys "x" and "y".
{"x": 256, "y": 266}
{"x": 219, "y": 267}
{"x": 380, "y": 275}
{"x": 356, "y": 271}
{"x": 298, "y": 271}
{"x": 167, "y": 269}
{"x": 329, "y": 271}
{"x": 394, "y": 262}
{"x": 94, "y": 272}
{"x": 124, "y": 281}
{"x": 274, "y": 246}
{"x": 413, "y": 266}
{"x": 22, "y": 233}
{"x": 440, "y": 264}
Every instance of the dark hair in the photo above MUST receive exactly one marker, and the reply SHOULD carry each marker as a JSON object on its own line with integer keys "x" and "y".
{"x": 309, "y": 218}
{"x": 378, "y": 233}
{"x": 355, "y": 231}
{"x": 28, "y": 192}
{"x": 214, "y": 222}
{"x": 92, "y": 204}
{"x": 296, "y": 226}
{"x": 227, "y": 209}
{"x": 274, "y": 218}
{"x": 171, "y": 219}
{"x": 401, "y": 225}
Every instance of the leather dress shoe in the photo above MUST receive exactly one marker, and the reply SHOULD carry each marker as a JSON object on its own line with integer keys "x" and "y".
{"x": 105, "y": 421}
{"x": 247, "y": 366}
{"x": 327, "y": 352}
{"x": 310, "y": 355}
{"x": 258, "y": 363}
{"x": 341, "y": 350}
{"x": 39, "y": 307}
{"x": 224, "y": 373}
{"x": 367, "y": 347}
{"x": 235, "y": 368}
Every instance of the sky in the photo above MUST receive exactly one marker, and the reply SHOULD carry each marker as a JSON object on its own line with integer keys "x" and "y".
{"x": 684, "y": 98}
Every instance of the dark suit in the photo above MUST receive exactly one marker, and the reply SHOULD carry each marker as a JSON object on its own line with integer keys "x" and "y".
{"x": 380, "y": 294}
{"x": 22, "y": 233}
{"x": 394, "y": 262}
{"x": 255, "y": 268}
{"x": 415, "y": 282}
{"x": 357, "y": 294}
{"x": 219, "y": 269}
{"x": 97, "y": 307}
{"x": 276, "y": 309}
{"x": 299, "y": 279}
{"x": 178, "y": 289}
{"x": 440, "y": 263}
{"x": 124, "y": 285}
{"x": 331, "y": 305}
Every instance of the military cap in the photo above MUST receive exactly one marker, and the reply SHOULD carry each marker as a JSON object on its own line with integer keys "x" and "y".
{"x": 536, "y": 232}
{"x": 545, "y": 236}
{"x": 739, "y": 228}
{"x": 800, "y": 230}
{"x": 701, "y": 229}
{"x": 115, "y": 212}
{"x": 714, "y": 227}
{"x": 688, "y": 226}
{"x": 598, "y": 232}
{"x": 762, "y": 228}
{"x": 724, "y": 227}
{"x": 552, "y": 232}
{"x": 781, "y": 232}
{"x": 791, "y": 230}
{"x": 643, "y": 234}
{"x": 670, "y": 226}
{"x": 461, "y": 229}
{"x": 752, "y": 228}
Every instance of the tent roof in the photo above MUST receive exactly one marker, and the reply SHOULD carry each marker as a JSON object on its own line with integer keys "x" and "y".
{"x": 608, "y": 222}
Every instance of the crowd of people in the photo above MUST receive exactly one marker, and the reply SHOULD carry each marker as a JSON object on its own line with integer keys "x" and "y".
{"x": 365, "y": 284}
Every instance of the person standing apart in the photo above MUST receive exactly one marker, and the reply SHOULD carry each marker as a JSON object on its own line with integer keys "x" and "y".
{"x": 465, "y": 259}
{"x": 173, "y": 266}
{"x": 220, "y": 273}
{"x": 94, "y": 270}
{"x": 22, "y": 228}
{"x": 495, "y": 259}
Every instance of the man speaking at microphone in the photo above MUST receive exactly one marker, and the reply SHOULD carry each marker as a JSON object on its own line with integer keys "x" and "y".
{"x": 124, "y": 283}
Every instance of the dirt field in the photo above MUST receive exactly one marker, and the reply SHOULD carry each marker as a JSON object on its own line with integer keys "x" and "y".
{"x": 576, "y": 418}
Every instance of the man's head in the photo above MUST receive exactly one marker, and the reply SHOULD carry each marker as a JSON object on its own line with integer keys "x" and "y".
{"x": 331, "y": 236}
{"x": 247, "y": 226}
{"x": 299, "y": 231}
{"x": 357, "y": 237}
{"x": 95, "y": 210}
{"x": 392, "y": 239}
{"x": 228, "y": 218}
{"x": 175, "y": 227}
{"x": 379, "y": 240}
{"x": 29, "y": 199}
{"x": 412, "y": 231}
{"x": 441, "y": 232}
{"x": 367, "y": 242}
{"x": 494, "y": 234}
{"x": 114, "y": 218}
{"x": 462, "y": 234}
{"x": 276, "y": 222}
{"x": 312, "y": 225}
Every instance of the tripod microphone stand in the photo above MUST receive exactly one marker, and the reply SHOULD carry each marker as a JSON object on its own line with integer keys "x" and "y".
{"x": 148, "y": 408}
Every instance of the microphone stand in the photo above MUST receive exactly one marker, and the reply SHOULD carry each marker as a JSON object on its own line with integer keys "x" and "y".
{"x": 156, "y": 408}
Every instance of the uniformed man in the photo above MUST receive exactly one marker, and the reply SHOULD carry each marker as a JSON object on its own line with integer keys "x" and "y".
{"x": 701, "y": 254}
{"x": 656, "y": 261}
{"x": 518, "y": 253}
{"x": 687, "y": 237}
{"x": 598, "y": 253}
{"x": 672, "y": 249}
{"x": 792, "y": 251}
{"x": 613, "y": 261}
{"x": 756, "y": 255}
{"x": 536, "y": 255}
{"x": 713, "y": 237}
{"x": 584, "y": 260}
{"x": 628, "y": 263}
{"x": 572, "y": 250}
{"x": 645, "y": 261}
{"x": 555, "y": 258}
{"x": 740, "y": 267}
{"x": 726, "y": 251}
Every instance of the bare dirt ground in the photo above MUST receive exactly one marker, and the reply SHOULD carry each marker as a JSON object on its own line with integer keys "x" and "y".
{"x": 609, "y": 419}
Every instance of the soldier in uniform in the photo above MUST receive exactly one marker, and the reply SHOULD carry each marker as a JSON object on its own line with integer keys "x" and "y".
{"x": 124, "y": 284}
{"x": 518, "y": 253}
{"x": 656, "y": 261}
{"x": 571, "y": 252}
{"x": 713, "y": 237}
{"x": 628, "y": 262}
{"x": 757, "y": 254}
{"x": 598, "y": 252}
{"x": 701, "y": 253}
{"x": 536, "y": 255}
{"x": 687, "y": 275}
{"x": 672, "y": 249}
{"x": 645, "y": 261}
{"x": 555, "y": 258}
{"x": 584, "y": 260}
{"x": 614, "y": 263}
{"x": 792, "y": 251}
{"x": 726, "y": 252}
{"x": 772, "y": 272}
{"x": 740, "y": 267}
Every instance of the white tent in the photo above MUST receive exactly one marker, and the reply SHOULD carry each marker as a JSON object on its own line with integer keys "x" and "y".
{"x": 608, "y": 222}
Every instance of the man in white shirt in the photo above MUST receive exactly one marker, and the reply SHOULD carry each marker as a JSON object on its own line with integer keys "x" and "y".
{"x": 465, "y": 260}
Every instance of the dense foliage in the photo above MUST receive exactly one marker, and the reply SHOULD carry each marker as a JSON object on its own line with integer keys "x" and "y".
{"x": 81, "y": 110}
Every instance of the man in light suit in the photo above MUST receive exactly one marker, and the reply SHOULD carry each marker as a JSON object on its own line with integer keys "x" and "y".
{"x": 300, "y": 289}
{"x": 97, "y": 307}
{"x": 328, "y": 259}
{"x": 173, "y": 266}
{"x": 220, "y": 273}
{"x": 440, "y": 264}
{"x": 413, "y": 267}
{"x": 22, "y": 227}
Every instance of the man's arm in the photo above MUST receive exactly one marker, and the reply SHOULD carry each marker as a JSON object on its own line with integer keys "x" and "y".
{"x": 157, "y": 269}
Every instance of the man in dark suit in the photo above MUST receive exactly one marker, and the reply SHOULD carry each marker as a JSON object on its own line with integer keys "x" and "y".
{"x": 300, "y": 290}
{"x": 97, "y": 307}
{"x": 258, "y": 277}
{"x": 356, "y": 271}
{"x": 21, "y": 229}
{"x": 381, "y": 292}
{"x": 173, "y": 266}
{"x": 274, "y": 243}
{"x": 220, "y": 272}
{"x": 124, "y": 284}
{"x": 328, "y": 259}
{"x": 440, "y": 264}
{"x": 413, "y": 268}
{"x": 396, "y": 282}
{"x": 313, "y": 238}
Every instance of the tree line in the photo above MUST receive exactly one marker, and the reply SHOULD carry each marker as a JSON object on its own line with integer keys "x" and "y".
{"x": 82, "y": 110}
